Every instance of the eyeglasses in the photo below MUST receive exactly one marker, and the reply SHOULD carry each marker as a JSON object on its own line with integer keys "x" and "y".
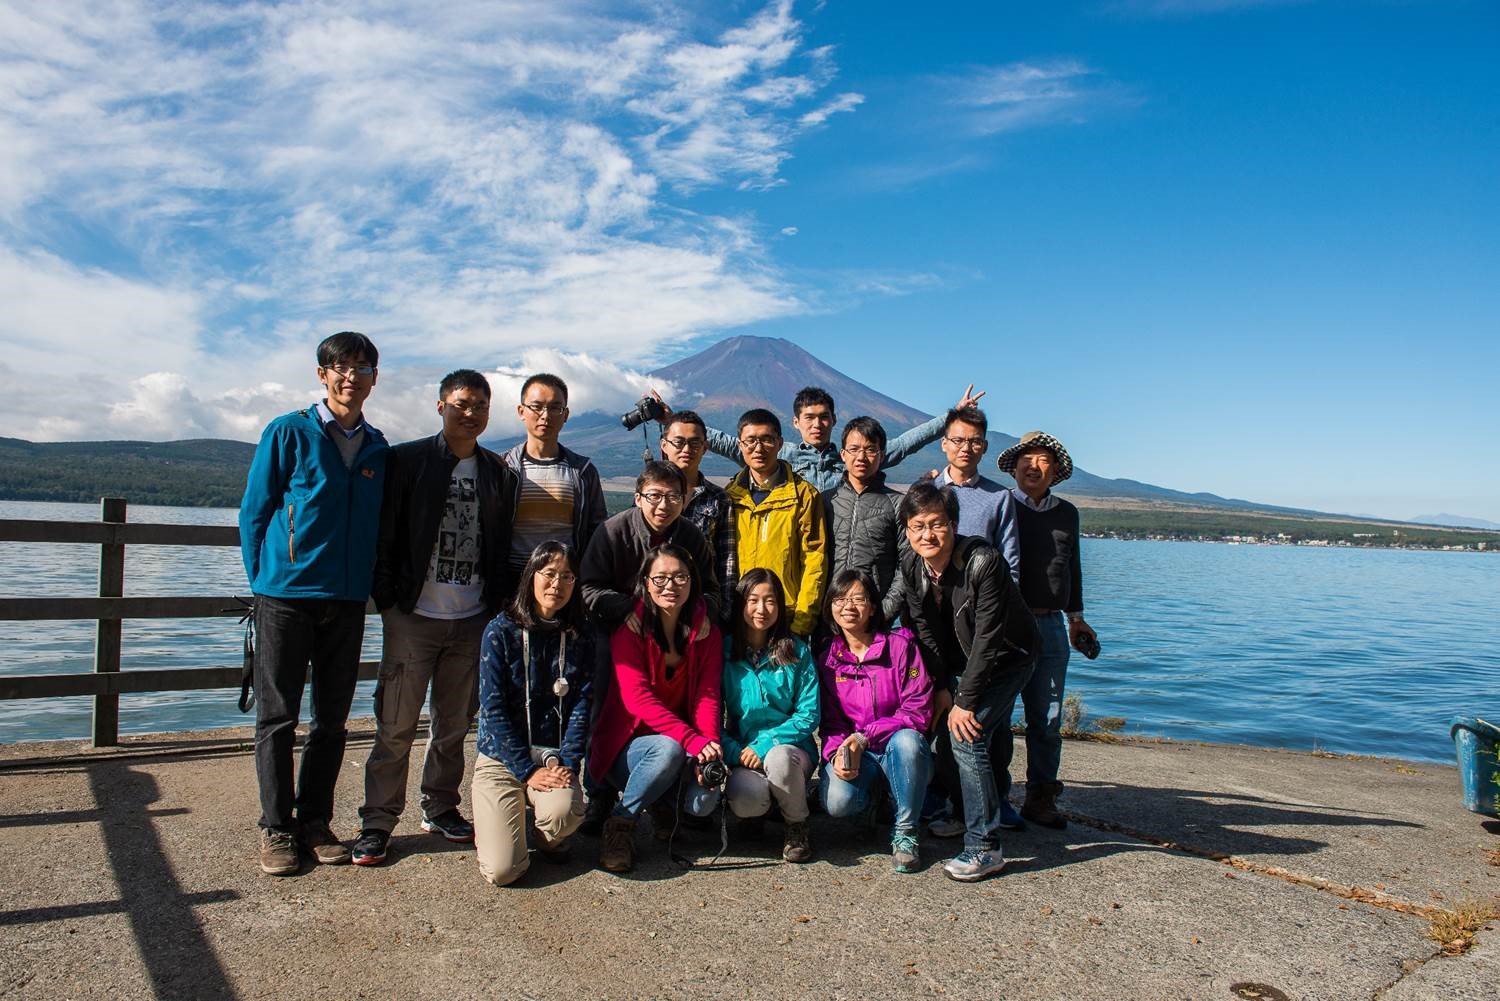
{"x": 855, "y": 601}
{"x": 656, "y": 498}
{"x": 471, "y": 409}
{"x": 686, "y": 444}
{"x": 553, "y": 577}
{"x": 936, "y": 528}
{"x": 350, "y": 371}
{"x": 759, "y": 442}
{"x": 869, "y": 451}
{"x": 550, "y": 409}
{"x": 973, "y": 444}
{"x": 661, "y": 580}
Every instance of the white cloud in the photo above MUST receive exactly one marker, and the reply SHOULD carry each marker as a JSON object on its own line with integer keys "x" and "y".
{"x": 789, "y": 231}
{"x": 844, "y": 102}
{"x": 461, "y": 182}
{"x": 1023, "y": 94}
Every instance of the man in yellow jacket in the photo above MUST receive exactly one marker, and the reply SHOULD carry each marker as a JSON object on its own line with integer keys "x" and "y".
{"x": 779, "y": 519}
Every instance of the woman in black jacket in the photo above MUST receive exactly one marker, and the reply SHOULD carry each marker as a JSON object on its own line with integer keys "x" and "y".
{"x": 535, "y": 687}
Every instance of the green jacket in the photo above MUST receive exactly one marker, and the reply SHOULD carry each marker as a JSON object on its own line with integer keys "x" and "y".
{"x": 767, "y": 704}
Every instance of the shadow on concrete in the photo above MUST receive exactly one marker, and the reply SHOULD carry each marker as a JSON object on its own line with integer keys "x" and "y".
{"x": 72, "y": 817}
{"x": 178, "y": 957}
{"x": 1212, "y": 822}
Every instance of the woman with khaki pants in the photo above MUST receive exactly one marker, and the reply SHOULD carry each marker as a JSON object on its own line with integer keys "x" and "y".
{"x": 535, "y": 688}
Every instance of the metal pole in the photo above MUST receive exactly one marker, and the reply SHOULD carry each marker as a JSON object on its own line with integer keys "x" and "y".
{"x": 107, "y": 639}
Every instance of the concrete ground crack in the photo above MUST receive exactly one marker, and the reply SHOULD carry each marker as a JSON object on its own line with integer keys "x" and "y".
{"x": 1408, "y": 967}
{"x": 1363, "y": 895}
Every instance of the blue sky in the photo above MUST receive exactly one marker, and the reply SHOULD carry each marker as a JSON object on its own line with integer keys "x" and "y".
{"x": 1245, "y": 247}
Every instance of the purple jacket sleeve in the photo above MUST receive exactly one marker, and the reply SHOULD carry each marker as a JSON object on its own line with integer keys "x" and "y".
{"x": 914, "y": 687}
{"x": 835, "y": 726}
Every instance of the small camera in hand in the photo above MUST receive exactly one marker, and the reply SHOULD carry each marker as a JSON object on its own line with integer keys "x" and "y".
{"x": 1088, "y": 645}
{"x": 714, "y": 773}
{"x": 647, "y": 408}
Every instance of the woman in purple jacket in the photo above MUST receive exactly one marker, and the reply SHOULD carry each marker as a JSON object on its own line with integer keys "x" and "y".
{"x": 877, "y": 703}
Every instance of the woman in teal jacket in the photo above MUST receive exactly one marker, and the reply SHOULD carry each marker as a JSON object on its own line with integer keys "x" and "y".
{"x": 771, "y": 710}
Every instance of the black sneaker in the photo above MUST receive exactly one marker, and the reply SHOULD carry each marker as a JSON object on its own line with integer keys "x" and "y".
{"x": 451, "y": 825}
{"x": 369, "y": 847}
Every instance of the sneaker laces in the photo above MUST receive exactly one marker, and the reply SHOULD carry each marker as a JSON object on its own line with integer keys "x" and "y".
{"x": 906, "y": 843}
{"x": 280, "y": 839}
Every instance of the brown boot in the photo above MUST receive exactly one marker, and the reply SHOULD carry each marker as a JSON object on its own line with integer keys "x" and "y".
{"x": 1041, "y": 805}
{"x": 317, "y": 839}
{"x": 618, "y": 851}
{"x": 796, "y": 847}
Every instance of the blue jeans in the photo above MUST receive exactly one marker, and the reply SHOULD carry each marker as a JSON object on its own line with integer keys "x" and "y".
{"x": 976, "y": 770}
{"x": 647, "y": 770}
{"x": 1042, "y": 700}
{"x": 906, "y": 764}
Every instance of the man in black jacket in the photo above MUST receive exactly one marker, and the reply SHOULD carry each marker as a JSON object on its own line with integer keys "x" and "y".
{"x": 612, "y": 562}
{"x": 440, "y": 576}
{"x": 978, "y": 641}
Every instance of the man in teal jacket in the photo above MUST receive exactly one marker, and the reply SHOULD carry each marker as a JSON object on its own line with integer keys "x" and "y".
{"x": 308, "y": 525}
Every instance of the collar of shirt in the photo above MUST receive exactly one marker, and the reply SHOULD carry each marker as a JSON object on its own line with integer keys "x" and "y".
{"x": 326, "y": 416}
{"x": 944, "y": 480}
{"x": 1047, "y": 503}
{"x": 776, "y": 480}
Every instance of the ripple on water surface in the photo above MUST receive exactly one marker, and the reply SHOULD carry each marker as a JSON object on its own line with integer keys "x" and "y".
{"x": 1353, "y": 651}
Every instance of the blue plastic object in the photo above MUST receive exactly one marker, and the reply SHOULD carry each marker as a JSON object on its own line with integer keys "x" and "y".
{"x": 1478, "y": 745}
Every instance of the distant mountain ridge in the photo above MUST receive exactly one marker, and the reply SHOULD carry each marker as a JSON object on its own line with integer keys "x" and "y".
{"x": 1454, "y": 521}
{"x": 731, "y": 376}
{"x": 723, "y": 380}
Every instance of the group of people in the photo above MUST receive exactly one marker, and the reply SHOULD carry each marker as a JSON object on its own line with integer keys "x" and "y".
{"x": 805, "y": 624}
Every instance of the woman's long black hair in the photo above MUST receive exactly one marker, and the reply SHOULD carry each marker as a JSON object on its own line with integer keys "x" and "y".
{"x": 522, "y": 608}
{"x": 780, "y": 645}
{"x": 650, "y": 617}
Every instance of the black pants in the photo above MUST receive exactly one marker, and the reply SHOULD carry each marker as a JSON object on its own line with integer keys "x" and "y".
{"x": 290, "y": 634}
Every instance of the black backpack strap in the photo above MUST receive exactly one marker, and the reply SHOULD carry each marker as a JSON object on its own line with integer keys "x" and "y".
{"x": 247, "y": 672}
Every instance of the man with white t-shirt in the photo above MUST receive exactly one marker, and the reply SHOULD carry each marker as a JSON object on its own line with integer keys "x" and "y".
{"x": 441, "y": 574}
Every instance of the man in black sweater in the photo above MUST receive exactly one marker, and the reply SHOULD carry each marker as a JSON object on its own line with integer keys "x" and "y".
{"x": 1052, "y": 587}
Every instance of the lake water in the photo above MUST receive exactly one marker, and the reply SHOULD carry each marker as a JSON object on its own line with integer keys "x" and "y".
{"x": 1352, "y": 651}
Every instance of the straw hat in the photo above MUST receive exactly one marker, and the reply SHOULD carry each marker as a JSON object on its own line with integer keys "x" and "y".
{"x": 1037, "y": 439}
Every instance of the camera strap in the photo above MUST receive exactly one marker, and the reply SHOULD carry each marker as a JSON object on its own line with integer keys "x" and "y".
{"x": 681, "y": 860}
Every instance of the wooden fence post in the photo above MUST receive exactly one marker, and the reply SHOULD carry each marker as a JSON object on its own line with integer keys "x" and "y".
{"x": 107, "y": 639}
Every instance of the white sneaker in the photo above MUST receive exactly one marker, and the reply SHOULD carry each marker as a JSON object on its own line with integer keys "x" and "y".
{"x": 970, "y": 866}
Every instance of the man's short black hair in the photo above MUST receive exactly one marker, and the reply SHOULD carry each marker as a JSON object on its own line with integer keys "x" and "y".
{"x": 685, "y": 417}
{"x": 550, "y": 381}
{"x": 811, "y": 396}
{"x": 347, "y": 346}
{"x": 760, "y": 415}
{"x": 969, "y": 415}
{"x": 463, "y": 378}
{"x": 657, "y": 471}
{"x": 924, "y": 498}
{"x": 868, "y": 428}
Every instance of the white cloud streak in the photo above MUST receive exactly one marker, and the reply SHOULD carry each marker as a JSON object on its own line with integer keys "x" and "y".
{"x": 191, "y": 195}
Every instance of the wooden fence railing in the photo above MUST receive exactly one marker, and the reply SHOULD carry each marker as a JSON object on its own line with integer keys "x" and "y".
{"x": 109, "y": 608}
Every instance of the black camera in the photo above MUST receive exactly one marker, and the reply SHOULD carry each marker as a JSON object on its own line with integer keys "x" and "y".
{"x": 1088, "y": 645}
{"x": 647, "y": 408}
{"x": 714, "y": 773}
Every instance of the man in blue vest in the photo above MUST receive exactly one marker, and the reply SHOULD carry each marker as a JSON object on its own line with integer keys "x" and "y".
{"x": 308, "y": 526}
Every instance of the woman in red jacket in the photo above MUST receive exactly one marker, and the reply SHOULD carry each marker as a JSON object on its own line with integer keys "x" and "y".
{"x": 663, "y": 709}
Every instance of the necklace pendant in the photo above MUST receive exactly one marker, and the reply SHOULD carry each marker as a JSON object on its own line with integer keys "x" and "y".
{"x": 560, "y": 687}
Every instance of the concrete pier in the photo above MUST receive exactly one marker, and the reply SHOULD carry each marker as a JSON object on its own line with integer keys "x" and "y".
{"x": 1189, "y": 871}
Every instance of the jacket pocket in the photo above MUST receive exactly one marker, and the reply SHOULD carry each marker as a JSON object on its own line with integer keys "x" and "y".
{"x": 291, "y": 534}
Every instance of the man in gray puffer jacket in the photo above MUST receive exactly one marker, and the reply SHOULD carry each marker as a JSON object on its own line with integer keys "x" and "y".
{"x": 862, "y": 514}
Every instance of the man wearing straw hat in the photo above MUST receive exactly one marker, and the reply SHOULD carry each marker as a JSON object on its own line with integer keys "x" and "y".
{"x": 1052, "y": 586}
